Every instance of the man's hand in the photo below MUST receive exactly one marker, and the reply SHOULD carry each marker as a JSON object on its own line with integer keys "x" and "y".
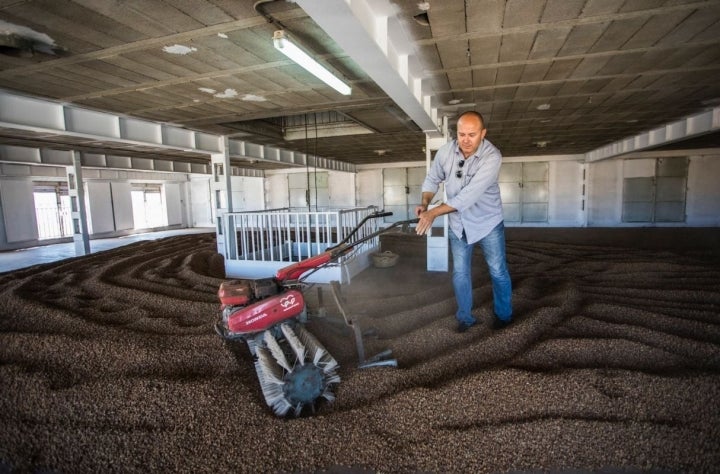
{"x": 426, "y": 217}
{"x": 425, "y": 221}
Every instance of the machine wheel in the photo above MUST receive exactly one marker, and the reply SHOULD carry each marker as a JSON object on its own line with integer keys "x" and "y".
{"x": 293, "y": 368}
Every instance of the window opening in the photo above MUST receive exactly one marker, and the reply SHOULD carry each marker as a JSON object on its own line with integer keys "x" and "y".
{"x": 52, "y": 210}
{"x": 148, "y": 206}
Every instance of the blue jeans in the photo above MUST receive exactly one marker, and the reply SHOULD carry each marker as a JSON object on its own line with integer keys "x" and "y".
{"x": 493, "y": 246}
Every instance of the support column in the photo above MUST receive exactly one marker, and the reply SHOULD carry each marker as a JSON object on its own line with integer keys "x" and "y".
{"x": 76, "y": 191}
{"x": 221, "y": 188}
{"x": 438, "y": 259}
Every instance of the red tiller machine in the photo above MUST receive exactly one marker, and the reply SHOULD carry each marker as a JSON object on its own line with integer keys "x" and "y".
{"x": 293, "y": 368}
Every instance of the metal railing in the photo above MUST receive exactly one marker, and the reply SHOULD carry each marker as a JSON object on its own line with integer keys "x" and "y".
{"x": 286, "y": 235}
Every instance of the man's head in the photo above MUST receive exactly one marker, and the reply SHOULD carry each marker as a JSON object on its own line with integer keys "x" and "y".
{"x": 470, "y": 132}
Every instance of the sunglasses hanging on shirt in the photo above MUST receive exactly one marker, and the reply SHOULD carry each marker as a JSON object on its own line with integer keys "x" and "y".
{"x": 458, "y": 173}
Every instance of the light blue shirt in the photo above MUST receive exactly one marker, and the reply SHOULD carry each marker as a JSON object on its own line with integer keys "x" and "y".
{"x": 475, "y": 195}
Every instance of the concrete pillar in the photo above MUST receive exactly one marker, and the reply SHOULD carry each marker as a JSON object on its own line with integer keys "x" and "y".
{"x": 221, "y": 188}
{"x": 78, "y": 212}
{"x": 438, "y": 259}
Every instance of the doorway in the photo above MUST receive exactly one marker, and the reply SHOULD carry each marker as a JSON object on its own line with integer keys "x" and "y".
{"x": 524, "y": 189}
{"x": 658, "y": 198}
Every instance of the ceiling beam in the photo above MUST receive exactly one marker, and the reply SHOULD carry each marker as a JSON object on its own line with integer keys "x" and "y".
{"x": 371, "y": 36}
{"x": 101, "y": 130}
{"x": 688, "y": 127}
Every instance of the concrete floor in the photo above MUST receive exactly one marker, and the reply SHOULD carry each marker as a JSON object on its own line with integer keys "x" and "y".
{"x": 16, "y": 259}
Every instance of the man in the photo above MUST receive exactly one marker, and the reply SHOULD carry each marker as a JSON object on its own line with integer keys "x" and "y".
{"x": 469, "y": 166}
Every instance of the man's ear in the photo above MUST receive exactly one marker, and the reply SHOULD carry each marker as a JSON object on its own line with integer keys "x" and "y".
{"x": 483, "y": 133}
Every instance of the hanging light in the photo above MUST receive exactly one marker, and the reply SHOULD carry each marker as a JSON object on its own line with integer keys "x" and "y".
{"x": 292, "y": 51}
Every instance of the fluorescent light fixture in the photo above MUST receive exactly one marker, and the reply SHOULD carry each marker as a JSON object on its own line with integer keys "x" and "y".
{"x": 292, "y": 51}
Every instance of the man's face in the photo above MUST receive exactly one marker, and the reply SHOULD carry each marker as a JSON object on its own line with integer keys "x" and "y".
{"x": 470, "y": 133}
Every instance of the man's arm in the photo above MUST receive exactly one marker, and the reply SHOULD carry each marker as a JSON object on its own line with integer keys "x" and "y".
{"x": 428, "y": 216}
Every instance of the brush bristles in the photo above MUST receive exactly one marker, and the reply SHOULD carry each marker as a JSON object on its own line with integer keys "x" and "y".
{"x": 270, "y": 376}
{"x": 276, "y": 350}
{"x": 274, "y": 369}
{"x": 322, "y": 357}
{"x": 297, "y": 346}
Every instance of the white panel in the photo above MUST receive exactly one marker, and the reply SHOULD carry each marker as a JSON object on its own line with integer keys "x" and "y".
{"x": 238, "y": 193}
{"x": 173, "y": 203}
{"x": 565, "y": 193}
{"x": 122, "y": 206}
{"x": 200, "y": 205}
{"x": 56, "y": 157}
{"x": 18, "y": 210}
{"x": 297, "y": 180}
{"x": 208, "y": 142}
{"x": 93, "y": 123}
{"x": 604, "y": 200}
{"x": 141, "y": 163}
{"x": 254, "y": 193}
{"x": 91, "y": 174}
{"x": 319, "y": 198}
{"x": 32, "y": 112}
{"x": 140, "y": 130}
{"x": 369, "y": 188}
{"x": 118, "y": 161}
{"x": 703, "y": 198}
{"x": 112, "y": 175}
{"x": 639, "y": 168}
{"x": 99, "y": 205}
{"x": 510, "y": 193}
{"x": 162, "y": 165}
{"x": 394, "y": 177}
{"x": 394, "y": 196}
{"x": 341, "y": 189}
{"x": 178, "y": 137}
{"x": 510, "y": 173}
{"x": 20, "y": 153}
{"x": 416, "y": 176}
{"x": 15, "y": 170}
{"x": 512, "y": 212}
{"x": 535, "y": 172}
{"x": 319, "y": 179}
{"x": 298, "y": 198}
{"x": 277, "y": 195}
{"x": 94, "y": 159}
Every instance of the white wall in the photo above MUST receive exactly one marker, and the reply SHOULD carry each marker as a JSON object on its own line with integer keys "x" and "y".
{"x": 565, "y": 202}
{"x": 703, "y": 200}
{"x": 173, "y": 203}
{"x": 200, "y": 202}
{"x": 108, "y": 196}
{"x": 605, "y": 193}
{"x": 702, "y": 204}
{"x": 98, "y": 202}
{"x": 122, "y": 206}
{"x": 19, "y": 221}
{"x": 247, "y": 193}
{"x": 369, "y": 189}
{"x": 340, "y": 186}
{"x": 277, "y": 192}
{"x": 109, "y": 190}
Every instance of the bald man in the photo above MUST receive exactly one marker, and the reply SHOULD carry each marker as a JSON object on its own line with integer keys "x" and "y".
{"x": 469, "y": 166}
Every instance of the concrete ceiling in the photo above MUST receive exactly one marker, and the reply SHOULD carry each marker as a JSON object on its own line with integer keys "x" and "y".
{"x": 550, "y": 76}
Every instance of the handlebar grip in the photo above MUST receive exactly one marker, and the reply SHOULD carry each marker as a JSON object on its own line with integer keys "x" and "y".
{"x": 383, "y": 214}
